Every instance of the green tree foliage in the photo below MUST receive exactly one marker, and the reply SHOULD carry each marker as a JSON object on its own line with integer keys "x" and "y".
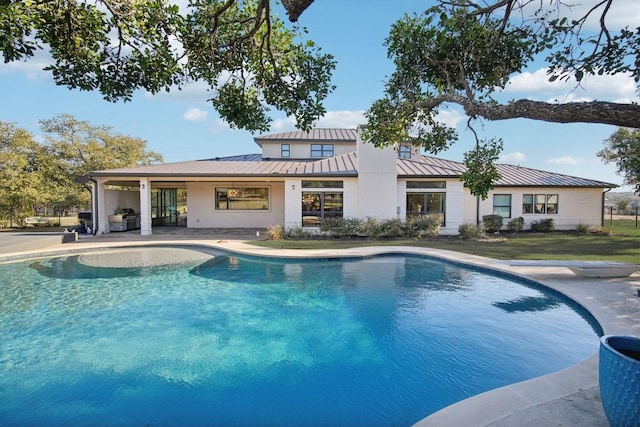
{"x": 463, "y": 52}
{"x": 481, "y": 171}
{"x": 623, "y": 149}
{"x": 22, "y": 181}
{"x": 33, "y": 174}
{"x": 250, "y": 60}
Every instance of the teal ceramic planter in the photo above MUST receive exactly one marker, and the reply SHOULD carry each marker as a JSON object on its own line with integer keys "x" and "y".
{"x": 620, "y": 379}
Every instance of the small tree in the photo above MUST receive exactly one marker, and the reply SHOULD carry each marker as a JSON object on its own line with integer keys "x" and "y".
{"x": 623, "y": 149}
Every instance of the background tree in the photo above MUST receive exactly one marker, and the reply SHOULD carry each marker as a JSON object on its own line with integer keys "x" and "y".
{"x": 623, "y": 149}
{"x": 22, "y": 182}
{"x": 463, "y": 52}
{"x": 240, "y": 48}
{"x": 77, "y": 148}
{"x": 34, "y": 175}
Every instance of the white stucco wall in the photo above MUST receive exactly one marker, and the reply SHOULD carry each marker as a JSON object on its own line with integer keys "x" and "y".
{"x": 377, "y": 181}
{"x": 575, "y": 205}
{"x": 202, "y": 213}
{"x": 116, "y": 199}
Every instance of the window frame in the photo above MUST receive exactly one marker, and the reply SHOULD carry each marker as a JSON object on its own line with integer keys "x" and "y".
{"x": 509, "y": 206}
{"x": 313, "y": 217}
{"x": 322, "y": 150}
{"x": 425, "y": 204}
{"x": 285, "y": 152}
{"x": 219, "y": 199}
{"x": 540, "y": 203}
{"x": 404, "y": 151}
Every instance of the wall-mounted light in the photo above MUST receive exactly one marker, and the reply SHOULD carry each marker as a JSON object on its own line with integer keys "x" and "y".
{"x": 143, "y": 186}
{"x": 293, "y": 186}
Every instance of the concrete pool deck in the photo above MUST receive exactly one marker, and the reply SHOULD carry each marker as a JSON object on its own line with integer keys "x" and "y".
{"x": 566, "y": 398}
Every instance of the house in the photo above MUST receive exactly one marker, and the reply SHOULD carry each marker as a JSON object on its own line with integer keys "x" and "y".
{"x": 299, "y": 178}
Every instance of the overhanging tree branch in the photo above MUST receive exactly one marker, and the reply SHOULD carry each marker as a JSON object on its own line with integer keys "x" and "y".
{"x": 602, "y": 112}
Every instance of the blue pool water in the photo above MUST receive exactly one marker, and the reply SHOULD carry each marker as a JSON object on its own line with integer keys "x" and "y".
{"x": 181, "y": 337}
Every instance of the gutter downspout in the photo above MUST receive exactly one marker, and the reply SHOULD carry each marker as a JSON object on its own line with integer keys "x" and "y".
{"x": 602, "y": 218}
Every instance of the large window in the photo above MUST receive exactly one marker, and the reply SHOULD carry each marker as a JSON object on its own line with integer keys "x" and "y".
{"x": 319, "y": 205}
{"x": 540, "y": 204}
{"x": 427, "y": 204}
{"x": 502, "y": 205}
{"x": 242, "y": 198}
{"x": 322, "y": 150}
{"x": 285, "y": 150}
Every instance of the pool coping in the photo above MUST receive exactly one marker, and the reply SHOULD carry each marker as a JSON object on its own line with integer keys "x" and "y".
{"x": 613, "y": 302}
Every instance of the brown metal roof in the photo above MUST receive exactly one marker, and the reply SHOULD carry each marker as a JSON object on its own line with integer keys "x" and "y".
{"x": 345, "y": 165}
{"x": 518, "y": 176}
{"x": 426, "y": 166}
{"x": 320, "y": 134}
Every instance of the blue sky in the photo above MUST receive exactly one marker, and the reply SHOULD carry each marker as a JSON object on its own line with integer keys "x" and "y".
{"x": 182, "y": 126}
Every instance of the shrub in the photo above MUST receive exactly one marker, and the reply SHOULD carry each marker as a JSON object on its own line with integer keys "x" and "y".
{"x": 543, "y": 225}
{"x": 516, "y": 224}
{"x": 604, "y": 231}
{"x": 340, "y": 227}
{"x": 275, "y": 232}
{"x": 492, "y": 223}
{"x": 422, "y": 226}
{"x": 583, "y": 228}
{"x": 371, "y": 228}
{"x": 298, "y": 233}
{"x": 470, "y": 231}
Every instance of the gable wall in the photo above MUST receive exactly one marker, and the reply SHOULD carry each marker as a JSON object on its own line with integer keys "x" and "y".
{"x": 302, "y": 150}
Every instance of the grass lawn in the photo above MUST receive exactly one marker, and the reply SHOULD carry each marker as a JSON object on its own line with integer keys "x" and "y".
{"x": 623, "y": 247}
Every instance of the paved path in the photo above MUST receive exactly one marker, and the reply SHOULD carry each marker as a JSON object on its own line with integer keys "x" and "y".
{"x": 566, "y": 398}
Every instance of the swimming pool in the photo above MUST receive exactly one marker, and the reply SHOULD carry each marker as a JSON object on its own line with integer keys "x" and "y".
{"x": 177, "y": 336}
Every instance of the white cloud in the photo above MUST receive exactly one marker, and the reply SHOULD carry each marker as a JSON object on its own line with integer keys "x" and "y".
{"x": 450, "y": 118}
{"x": 195, "y": 115}
{"x": 516, "y": 158}
{"x": 32, "y": 68}
{"x": 621, "y": 13}
{"x": 619, "y": 88}
{"x": 566, "y": 160}
{"x": 342, "y": 119}
{"x": 332, "y": 119}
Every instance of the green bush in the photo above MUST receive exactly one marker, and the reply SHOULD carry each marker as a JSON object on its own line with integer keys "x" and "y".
{"x": 298, "y": 233}
{"x": 418, "y": 227}
{"x": 492, "y": 223}
{"x": 422, "y": 226}
{"x": 339, "y": 227}
{"x": 543, "y": 225}
{"x": 516, "y": 224}
{"x": 583, "y": 228}
{"x": 470, "y": 231}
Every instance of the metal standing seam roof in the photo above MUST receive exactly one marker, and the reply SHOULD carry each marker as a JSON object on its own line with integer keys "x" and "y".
{"x": 518, "y": 176}
{"x": 426, "y": 166}
{"x": 320, "y": 135}
{"x": 346, "y": 165}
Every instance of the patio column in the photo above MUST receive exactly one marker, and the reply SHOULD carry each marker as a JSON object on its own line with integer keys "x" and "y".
{"x": 145, "y": 207}
{"x": 100, "y": 214}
